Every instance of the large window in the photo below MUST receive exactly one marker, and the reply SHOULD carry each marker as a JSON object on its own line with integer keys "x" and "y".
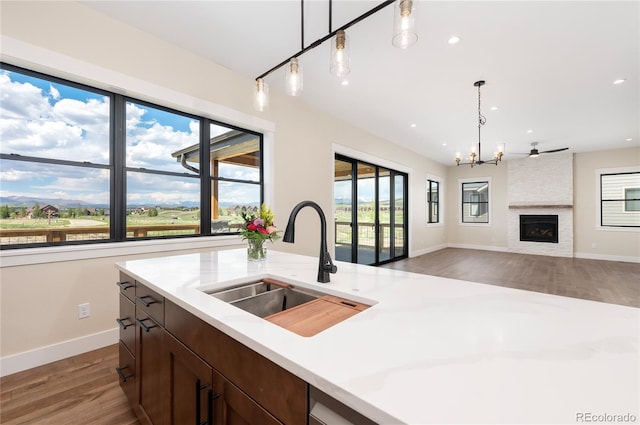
{"x": 620, "y": 199}
{"x": 475, "y": 202}
{"x": 433, "y": 201}
{"x": 79, "y": 164}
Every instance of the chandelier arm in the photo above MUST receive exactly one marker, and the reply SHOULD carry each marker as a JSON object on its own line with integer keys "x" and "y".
{"x": 328, "y": 36}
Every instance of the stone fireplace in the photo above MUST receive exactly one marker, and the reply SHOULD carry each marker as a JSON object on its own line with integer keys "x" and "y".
{"x": 541, "y": 190}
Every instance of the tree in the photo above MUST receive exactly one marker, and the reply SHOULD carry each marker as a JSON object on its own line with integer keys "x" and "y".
{"x": 37, "y": 213}
{"x": 5, "y": 211}
{"x": 22, "y": 212}
{"x": 153, "y": 212}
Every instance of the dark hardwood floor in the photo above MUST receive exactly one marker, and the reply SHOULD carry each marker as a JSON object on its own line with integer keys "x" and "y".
{"x": 84, "y": 389}
{"x": 607, "y": 281}
{"x": 79, "y": 390}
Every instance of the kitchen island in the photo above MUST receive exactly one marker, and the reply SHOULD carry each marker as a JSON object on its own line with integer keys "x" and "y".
{"x": 429, "y": 349}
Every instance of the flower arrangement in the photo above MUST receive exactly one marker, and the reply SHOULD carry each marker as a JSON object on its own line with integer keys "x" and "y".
{"x": 257, "y": 229}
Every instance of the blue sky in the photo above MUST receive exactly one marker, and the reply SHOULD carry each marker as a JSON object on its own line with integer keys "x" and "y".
{"x": 53, "y": 120}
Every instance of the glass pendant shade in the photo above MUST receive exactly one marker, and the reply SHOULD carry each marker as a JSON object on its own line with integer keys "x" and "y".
{"x": 404, "y": 31}
{"x": 294, "y": 78}
{"x": 340, "y": 56}
{"x": 261, "y": 95}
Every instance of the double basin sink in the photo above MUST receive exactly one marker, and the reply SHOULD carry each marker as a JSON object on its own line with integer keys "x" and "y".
{"x": 300, "y": 310}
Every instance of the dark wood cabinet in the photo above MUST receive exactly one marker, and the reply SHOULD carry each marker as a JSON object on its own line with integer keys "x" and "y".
{"x": 277, "y": 390}
{"x": 149, "y": 368}
{"x": 234, "y": 407}
{"x": 184, "y": 371}
{"x": 188, "y": 387}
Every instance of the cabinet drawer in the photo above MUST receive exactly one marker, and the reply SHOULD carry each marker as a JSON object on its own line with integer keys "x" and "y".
{"x": 127, "y": 370}
{"x": 150, "y": 302}
{"x": 127, "y": 286}
{"x": 234, "y": 406}
{"x": 127, "y": 323}
{"x": 279, "y": 391}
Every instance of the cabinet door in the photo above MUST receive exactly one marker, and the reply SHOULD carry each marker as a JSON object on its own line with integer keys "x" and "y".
{"x": 188, "y": 388}
{"x": 149, "y": 368}
{"x": 234, "y": 407}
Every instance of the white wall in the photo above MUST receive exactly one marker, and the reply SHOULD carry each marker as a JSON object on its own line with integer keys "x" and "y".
{"x": 67, "y": 39}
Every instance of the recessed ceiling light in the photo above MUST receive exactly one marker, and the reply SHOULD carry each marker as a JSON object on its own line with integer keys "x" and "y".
{"x": 529, "y": 131}
{"x": 345, "y": 82}
{"x": 454, "y": 39}
{"x": 444, "y": 144}
{"x": 413, "y": 125}
{"x": 628, "y": 140}
{"x": 619, "y": 81}
{"x": 494, "y": 108}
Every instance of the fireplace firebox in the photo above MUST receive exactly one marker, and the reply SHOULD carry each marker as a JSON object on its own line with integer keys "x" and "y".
{"x": 539, "y": 228}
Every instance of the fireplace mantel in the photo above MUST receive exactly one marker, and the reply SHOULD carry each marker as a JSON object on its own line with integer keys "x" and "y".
{"x": 536, "y": 206}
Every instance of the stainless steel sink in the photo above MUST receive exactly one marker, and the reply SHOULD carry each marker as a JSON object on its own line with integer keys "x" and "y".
{"x": 265, "y": 297}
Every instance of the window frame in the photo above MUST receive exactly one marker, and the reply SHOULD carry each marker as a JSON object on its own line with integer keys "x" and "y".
{"x": 429, "y": 202}
{"x": 600, "y": 173}
{"x": 118, "y": 168}
{"x": 461, "y": 203}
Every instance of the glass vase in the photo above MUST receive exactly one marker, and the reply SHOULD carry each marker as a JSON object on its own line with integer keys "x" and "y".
{"x": 256, "y": 251}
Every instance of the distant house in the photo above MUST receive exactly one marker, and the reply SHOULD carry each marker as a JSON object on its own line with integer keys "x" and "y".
{"x": 50, "y": 211}
{"x": 46, "y": 211}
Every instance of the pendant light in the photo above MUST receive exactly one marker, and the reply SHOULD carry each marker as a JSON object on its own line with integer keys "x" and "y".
{"x": 404, "y": 31}
{"x": 340, "y": 57}
{"x": 475, "y": 157}
{"x": 294, "y": 78}
{"x": 261, "y": 95}
{"x": 404, "y": 35}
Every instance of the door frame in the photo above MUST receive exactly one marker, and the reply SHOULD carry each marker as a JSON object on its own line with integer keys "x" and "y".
{"x": 393, "y": 173}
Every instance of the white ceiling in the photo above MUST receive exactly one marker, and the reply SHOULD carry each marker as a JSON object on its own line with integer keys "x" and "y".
{"x": 549, "y": 66}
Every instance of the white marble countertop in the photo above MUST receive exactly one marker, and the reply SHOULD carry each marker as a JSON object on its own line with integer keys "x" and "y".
{"x": 430, "y": 349}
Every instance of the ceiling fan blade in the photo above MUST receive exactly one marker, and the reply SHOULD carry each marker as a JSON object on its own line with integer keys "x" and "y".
{"x": 555, "y": 150}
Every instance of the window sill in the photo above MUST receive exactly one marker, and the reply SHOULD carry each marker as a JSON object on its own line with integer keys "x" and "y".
{"x": 29, "y": 256}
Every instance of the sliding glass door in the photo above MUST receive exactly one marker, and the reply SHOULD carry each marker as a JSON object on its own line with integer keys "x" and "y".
{"x": 370, "y": 220}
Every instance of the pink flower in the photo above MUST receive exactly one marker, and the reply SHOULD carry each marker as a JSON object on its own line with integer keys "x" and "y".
{"x": 271, "y": 229}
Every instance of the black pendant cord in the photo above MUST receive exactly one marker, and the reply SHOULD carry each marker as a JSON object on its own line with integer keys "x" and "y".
{"x": 330, "y": 15}
{"x": 481, "y": 119}
{"x": 328, "y": 36}
{"x": 301, "y": 24}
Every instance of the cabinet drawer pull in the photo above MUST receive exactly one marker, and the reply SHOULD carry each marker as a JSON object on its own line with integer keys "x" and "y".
{"x": 199, "y": 388}
{"x": 145, "y": 302}
{"x": 211, "y": 397}
{"x": 145, "y": 327}
{"x": 125, "y": 285}
{"x": 124, "y": 325}
{"x": 123, "y": 377}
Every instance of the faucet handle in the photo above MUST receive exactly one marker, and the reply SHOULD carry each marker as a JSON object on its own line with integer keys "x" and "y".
{"x": 331, "y": 268}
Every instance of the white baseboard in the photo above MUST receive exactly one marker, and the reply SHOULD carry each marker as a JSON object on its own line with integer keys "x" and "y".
{"x": 590, "y": 256}
{"x": 480, "y": 247}
{"x": 51, "y": 353}
{"x": 427, "y": 250}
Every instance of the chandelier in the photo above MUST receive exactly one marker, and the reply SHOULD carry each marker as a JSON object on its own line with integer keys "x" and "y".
{"x": 475, "y": 157}
{"x": 404, "y": 36}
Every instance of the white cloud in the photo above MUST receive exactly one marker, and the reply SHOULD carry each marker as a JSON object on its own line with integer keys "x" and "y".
{"x": 53, "y": 92}
{"x": 67, "y": 129}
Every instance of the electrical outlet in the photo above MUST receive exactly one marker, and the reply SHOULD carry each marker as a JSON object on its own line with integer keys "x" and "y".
{"x": 84, "y": 310}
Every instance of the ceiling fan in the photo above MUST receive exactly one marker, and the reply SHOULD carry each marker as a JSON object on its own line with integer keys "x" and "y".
{"x": 534, "y": 152}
